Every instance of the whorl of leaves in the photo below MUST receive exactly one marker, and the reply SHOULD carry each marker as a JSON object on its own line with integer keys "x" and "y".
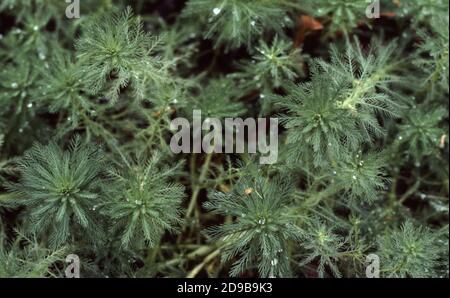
{"x": 60, "y": 189}
{"x": 144, "y": 203}
{"x": 262, "y": 229}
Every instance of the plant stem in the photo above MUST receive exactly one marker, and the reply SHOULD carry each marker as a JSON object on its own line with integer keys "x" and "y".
{"x": 198, "y": 186}
{"x": 205, "y": 261}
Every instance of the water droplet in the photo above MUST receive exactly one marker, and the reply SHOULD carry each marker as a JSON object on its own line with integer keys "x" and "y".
{"x": 354, "y": 177}
{"x": 400, "y": 138}
{"x": 14, "y": 85}
{"x": 216, "y": 10}
{"x": 30, "y": 105}
{"x": 423, "y": 196}
{"x": 274, "y": 262}
{"x": 42, "y": 56}
{"x": 262, "y": 96}
{"x": 262, "y": 221}
{"x": 334, "y": 173}
{"x": 253, "y": 23}
{"x": 36, "y": 28}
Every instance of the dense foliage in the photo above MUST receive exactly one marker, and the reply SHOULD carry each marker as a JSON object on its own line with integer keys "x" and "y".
{"x": 85, "y": 127}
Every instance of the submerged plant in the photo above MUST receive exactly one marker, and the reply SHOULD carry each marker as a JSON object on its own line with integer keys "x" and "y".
{"x": 410, "y": 252}
{"x": 144, "y": 203}
{"x": 88, "y": 166}
{"x": 263, "y": 227}
{"x": 60, "y": 189}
